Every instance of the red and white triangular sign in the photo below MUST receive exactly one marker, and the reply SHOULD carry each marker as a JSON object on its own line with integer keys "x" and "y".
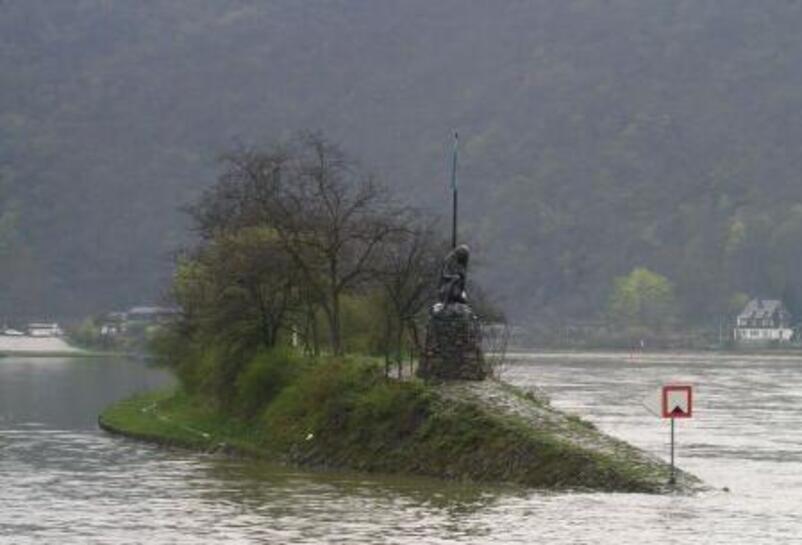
{"x": 677, "y": 401}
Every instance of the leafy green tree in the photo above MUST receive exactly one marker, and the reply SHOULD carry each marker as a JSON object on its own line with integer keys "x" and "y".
{"x": 736, "y": 303}
{"x": 643, "y": 298}
{"x": 289, "y": 234}
{"x": 330, "y": 218}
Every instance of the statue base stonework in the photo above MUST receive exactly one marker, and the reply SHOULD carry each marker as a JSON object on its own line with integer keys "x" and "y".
{"x": 453, "y": 348}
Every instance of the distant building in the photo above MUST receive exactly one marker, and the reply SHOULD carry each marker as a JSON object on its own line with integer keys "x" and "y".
{"x": 121, "y": 323}
{"x": 114, "y": 324}
{"x": 763, "y": 321}
{"x": 111, "y": 330}
{"x": 117, "y": 317}
{"x": 151, "y": 314}
{"x": 44, "y": 330}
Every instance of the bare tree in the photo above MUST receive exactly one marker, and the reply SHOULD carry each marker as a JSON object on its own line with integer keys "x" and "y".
{"x": 332, "y": 219}
{"x": 329, "y": 217}
{"x": 240, "y": 284}
{"x": 410, "y": 264}
{"x": 263, "y": 280}
{"x": 245, "y": 195}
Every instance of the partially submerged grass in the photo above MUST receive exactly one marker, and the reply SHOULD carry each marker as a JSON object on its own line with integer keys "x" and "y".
{"x": 343, "y": 413}
{"x": 170, "y": 417}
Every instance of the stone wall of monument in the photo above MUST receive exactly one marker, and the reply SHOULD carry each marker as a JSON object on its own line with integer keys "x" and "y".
{"x": 453, "y": 348}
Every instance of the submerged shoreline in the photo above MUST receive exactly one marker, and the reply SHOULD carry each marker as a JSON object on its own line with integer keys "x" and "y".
{"x": 475, "y": 431}
{"x": 45, "y": 347}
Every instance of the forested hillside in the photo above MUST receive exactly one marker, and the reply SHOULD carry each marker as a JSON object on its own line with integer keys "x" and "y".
{"x": 597, "y": 137}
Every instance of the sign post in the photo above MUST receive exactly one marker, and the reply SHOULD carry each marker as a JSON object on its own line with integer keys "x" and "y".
{"x": 677, "y": 402}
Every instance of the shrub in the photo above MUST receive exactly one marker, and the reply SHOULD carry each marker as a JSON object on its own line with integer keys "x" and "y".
{"x": 363, "y": 323}
{"x": 268, "y": 373}
{"x": 319, "y": 401}
{"x": 348, "y": 405}
{"x": 86, "y": 335}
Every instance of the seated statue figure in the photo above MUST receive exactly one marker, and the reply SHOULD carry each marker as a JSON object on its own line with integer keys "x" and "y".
{"x": 452, "y": 276}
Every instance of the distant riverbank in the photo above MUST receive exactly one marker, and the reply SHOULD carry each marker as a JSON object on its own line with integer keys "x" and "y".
{"x": 658, "y": 357}
{"x": 349, "y": 416}
{"x": 37, "y": 346}
{"x": 46, "y": 347}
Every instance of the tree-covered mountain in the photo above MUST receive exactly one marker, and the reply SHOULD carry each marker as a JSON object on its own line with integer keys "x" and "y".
{"x": 597, "y": 136}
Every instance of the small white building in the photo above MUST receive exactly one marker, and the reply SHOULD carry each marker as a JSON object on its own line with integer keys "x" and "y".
{"x": 763, "y": 321}
{"x": 40, "y": 329}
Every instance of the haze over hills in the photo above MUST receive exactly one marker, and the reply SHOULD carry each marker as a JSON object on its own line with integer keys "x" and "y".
{"x": 596, "y": 136}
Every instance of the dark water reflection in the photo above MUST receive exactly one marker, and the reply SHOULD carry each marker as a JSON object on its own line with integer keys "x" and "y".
{"x": 64, "y": 481}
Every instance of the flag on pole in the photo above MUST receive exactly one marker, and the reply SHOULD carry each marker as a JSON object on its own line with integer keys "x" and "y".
{"x": 454, "y": 163}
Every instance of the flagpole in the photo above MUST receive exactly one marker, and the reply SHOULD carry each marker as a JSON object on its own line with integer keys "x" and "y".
{"x": 454, "y": 191}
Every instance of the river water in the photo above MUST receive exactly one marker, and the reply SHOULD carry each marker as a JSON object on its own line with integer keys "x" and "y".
{"x": 63, "y": 481}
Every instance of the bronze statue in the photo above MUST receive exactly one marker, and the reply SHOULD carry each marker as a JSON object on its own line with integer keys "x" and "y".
{"x": 453, "y": 348}
{"x": 453, "y": 275}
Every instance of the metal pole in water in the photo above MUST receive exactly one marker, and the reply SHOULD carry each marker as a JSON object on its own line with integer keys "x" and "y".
{"x": 454, "y": 191}
{"x": 673, "y": 478}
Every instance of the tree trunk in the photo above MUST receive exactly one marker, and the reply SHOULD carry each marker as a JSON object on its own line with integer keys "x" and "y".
{"x": 274, "y": 332}
{"x": 388, "y": 327}
{"x": 334, "y": 319}
{"x": 264, "y": 318}
{"x": 399, "y": 348}
{"x": 315, "y": 335}
{"x": 311, "y": 338}
{"x": 416, "y": 346}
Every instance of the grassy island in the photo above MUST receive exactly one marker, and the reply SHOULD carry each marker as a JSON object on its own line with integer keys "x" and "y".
{"x": 302, "y": 253}
{"x": 344, "y": 413}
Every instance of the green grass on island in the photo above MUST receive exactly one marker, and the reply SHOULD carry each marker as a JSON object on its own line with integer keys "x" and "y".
{"x": 344, "y": 413}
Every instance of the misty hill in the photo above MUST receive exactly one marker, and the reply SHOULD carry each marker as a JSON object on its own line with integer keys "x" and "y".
{"x": 597, "y": 136}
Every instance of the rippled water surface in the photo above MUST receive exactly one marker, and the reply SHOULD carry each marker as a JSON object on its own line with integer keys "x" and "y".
{"x": 64, "y": 481}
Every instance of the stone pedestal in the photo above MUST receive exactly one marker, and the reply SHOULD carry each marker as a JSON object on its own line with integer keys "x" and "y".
{"x": 453, "y": 348}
